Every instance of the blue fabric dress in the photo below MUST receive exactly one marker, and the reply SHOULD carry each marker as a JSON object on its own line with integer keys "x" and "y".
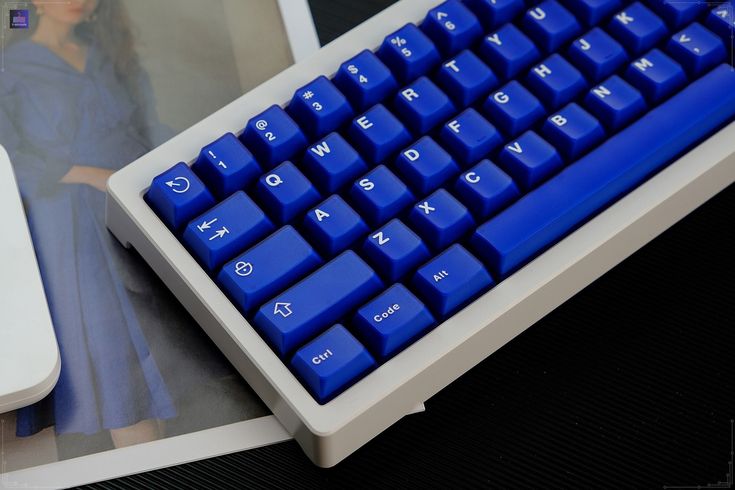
{"x": 53, "y": 117}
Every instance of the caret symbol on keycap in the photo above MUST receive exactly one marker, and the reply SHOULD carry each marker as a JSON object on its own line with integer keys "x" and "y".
{"x": 283, "y": 309}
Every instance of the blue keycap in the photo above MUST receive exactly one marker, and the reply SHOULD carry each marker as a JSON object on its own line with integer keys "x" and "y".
{"x": 177, "y": 195}
{"x": 319, "y": 107}
{"x": 421, "y": 105}
{"x": 465, "y": 78}
{"x": 597, "y": 55}
{"x": 485, "y": 189}
{"x": 615, "y": 103}
{"x": 534, "y": 223}
{"x": 395, "y": 250}
{"x": 591, "y": 12}
{"x": 696, "y": 49}
{"x": 408, "y": 53}
{"x": 513, "y": 108}
{"x": 425, "y": 166}
{"x": 267, "y": 268}
{"x": 226, "y": 166}
{"x": 285, "y": 193}
{"x": 273, "y": 137}
{"x": 332, "y": 362}
{"x": 333, "y": 226}
{"x": 226, "y": 230}
{"x": 440, "y": 219}
{"x": 637, "y": 28}
{"x": 332, "y": 163}
{"x": 380, "y": 195}
{"x": 316, "y": 302}
{"x": 555, "y": 81}
{"x": 573, "y": 131}
{"x": 508, "y": 51}
{"x": 529, "y": 159}
{"x": 377, "y": 134}
{"x": 365, "y": 80}
{"x": 469, "y": 137}
{"x": 452, "y": 26}
{"x": 550, "y": 25}
{"x": 492, "y": 13}
{"x": 656, "y": 75}
{"x": 721, "y": 20}
{"x": 451, "y": 280}
{"x": 391, "y": 321}
{"x": 677, "y": 14}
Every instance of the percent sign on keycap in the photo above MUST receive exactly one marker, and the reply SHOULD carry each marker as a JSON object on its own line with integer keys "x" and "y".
{"x": 399, "y": 41}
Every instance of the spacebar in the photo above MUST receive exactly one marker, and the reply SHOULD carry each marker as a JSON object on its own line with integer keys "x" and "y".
{"x": 584, "y": 188}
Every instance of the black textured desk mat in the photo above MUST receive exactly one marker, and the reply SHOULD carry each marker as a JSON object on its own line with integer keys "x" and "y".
{"x": 630, "y": 384}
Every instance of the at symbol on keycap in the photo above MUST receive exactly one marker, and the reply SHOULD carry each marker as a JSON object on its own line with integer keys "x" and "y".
{"x": 243, "y": 269}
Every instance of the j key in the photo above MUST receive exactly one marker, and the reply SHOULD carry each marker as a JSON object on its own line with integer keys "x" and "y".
{"x": 225, "y": 230}
{"x": 378, "y": 134}
{"x": 319, "y": 300}
{"x": 469, "y": 137}
{"x": 591, "y": 12}
{"x": 421, "y": 105}
{"x": 677, "y": 14}
{"x": 333, "y": 226}
{"x": 573, "y": 131}
{"x": 319, "y": 107}
{"x": 226, "y": 166}
{"x": 425, "y": 166}
{"x": 615, "y": 103}
{"x": 492, "y": 13}
{"x": 391, "y": 321}
{"x": 395, "y": 250}
{"x": 529, "y": 159}
{"x": 513, "y": 108}
{"x": 380, "y": 195}
{"x": 440, "y": 219}
{"x": 285, "y": 193}
{"x": 656, "y": 75}
{"x": 597, "y": 55}
{"x": 177, "y": 196}
{"x": 555, "y": 81}
{"x": 637, "y": 28}
{"x": 508, "y": 51}
{"x": 332, "y": 163}
{"x": 540, "y": 218}
{"x": 696, "y": 49}
{"x": 365, "y": 80}
{"x": 331, "y": 362}
{"x": 451, "y": 280}
{"x": 452, "y": 27}
{"x": 485, "y": 189}
{"x": 408, "y": 53}
{"x": 273, "y": 137}
{"x": 269, "y": 267}
{"x": 550, "y": 25}
{"x": 465, "y": 78}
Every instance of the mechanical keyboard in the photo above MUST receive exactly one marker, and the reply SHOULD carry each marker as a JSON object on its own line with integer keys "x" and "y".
{"x": 360, "y": 230}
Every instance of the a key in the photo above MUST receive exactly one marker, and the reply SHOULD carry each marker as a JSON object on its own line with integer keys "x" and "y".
{"x": 555, "y": 81}
{"x": 421, "y": 105}
{"x": 492, "y": 13}
{"x": 273, "y": 137}
{"x": 394, "y": 250}
{"x": 425, "y": 166}
{"x": 591, "y": 12}
{"x": 226, "y": 230}
{"x": 615, "y": 103}
{"x": 452, "y": 27}
{"x": 469, "y": 137}
{"x": 319, "y": 107}
{"x": 380, "y": 195}
{"x": 331, "y": 163}
{"x": 550, "y": 25}
{"x": 529, "y": 159}
{"x": 316, "y": 302}
{"x": 177, "y": 195}
{"x": 721, "y": 20}
{"x": 226, "y": 166}
{"x": 333, "y": 225}
{"x": 285, "y": 193}
{"x": 676, "y": 13}
{"x": 465, "y": 78}
{"x": 440, "y": 219}
{"x": 696, "y": 49}
{"x": 267, "y": 268}
{"x": 365, "y": 80}
{"x": 539, "y": 219}
{"x": 485, "y": 189}
{"x": 408, "y": 53}
{"x": 597, "y": 55}
{"x": 378, "y": 134}
{"x": 656, "y": 75}
{"x": 331, "y": 362}
{"x": 513, "y": 108}
{"x": 637, "y": 28}
{"x": 573, "y": 131}
{"x": 451, "y": 280}
{"x": 392, "y": 321}
{"x": 508, "y": 51}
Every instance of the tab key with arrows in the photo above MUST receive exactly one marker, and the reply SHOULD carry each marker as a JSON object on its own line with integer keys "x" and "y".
{"x": 226, "y": 230}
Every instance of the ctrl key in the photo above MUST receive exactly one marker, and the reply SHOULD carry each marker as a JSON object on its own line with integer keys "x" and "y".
{"x": 331, "y": 363}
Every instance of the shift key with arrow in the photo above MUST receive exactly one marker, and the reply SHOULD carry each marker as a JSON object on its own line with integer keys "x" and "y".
{"x": 226, "y": 230}
{"x": 696, "y": 49}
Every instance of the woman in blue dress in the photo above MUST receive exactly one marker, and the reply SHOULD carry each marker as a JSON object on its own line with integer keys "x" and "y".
{"x": 75, "y": 106}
